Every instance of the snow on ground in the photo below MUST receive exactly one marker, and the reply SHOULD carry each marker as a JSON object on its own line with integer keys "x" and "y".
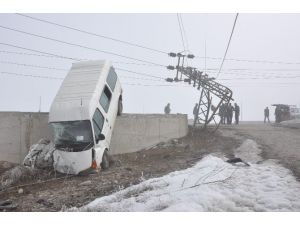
{"x": 291, "y": 123}
{"x": 211, "y": 185}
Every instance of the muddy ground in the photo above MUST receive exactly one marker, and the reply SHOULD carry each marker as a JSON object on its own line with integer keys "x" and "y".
{"x": 277, "y": 142}
{"x": 125, "y": 170}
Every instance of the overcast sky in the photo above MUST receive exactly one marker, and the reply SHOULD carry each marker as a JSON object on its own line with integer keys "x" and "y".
{"x": 257, "y": 37}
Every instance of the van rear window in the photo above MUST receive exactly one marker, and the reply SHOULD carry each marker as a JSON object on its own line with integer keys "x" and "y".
{"x": 111, "y": 78}
{"x": 105, "y": 99}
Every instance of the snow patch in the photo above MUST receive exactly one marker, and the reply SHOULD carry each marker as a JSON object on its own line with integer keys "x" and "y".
{"x": 211, "y": 185}
{"x": 248, "y": 151}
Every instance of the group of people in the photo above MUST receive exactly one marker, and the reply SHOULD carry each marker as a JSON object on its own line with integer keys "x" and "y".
{"x": 226, "y": 113}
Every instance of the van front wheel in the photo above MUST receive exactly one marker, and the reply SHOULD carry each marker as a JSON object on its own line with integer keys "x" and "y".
{"x": 120, "y": 107}
{"x": 105, "y": 161}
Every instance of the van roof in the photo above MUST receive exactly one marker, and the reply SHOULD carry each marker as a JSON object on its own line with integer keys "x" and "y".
{"x": 79, "y": 92}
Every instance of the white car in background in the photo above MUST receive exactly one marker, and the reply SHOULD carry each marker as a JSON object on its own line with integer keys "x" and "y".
{"x": 83, "y": 116}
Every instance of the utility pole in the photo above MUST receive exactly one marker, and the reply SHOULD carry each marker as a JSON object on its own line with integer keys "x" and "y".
{"x": 40, "y": 104}
{"x": 208, "y": 89}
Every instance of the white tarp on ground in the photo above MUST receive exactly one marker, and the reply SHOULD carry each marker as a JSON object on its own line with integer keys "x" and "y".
{"x": 210, "y": 185}
{"x": 291, "y": 123}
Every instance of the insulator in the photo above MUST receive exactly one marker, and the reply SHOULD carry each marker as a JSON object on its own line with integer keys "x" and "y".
{"x": 169, "y": 80}
{"x": 190, "y": 56}
{"x": 179, "y": 54}
{"x": 172, "y": 54}
{"x": 170, "y": 67}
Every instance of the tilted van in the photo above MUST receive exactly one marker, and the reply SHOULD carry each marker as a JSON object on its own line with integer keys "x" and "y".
{"x": 83, "y": 116}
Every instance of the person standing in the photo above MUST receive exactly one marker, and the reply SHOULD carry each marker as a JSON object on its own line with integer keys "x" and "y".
{"x": 167, "y": 109}
{"x": 236, "y": 113}
{"x": 225, "y": 112}
{"x": 267, "y": 113}
{"x": 221, "y": 112}
{"x": 195, "y": 111}
{"x": 229, "y": 113}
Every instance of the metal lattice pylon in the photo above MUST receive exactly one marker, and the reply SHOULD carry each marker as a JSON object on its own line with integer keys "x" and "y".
{"x": 209, "y": 88}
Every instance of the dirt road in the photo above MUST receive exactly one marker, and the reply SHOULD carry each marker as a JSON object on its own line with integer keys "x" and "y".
{"x": 280, "y": 143}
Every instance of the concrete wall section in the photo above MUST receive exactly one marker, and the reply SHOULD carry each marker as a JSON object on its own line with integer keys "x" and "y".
{"x": 134, "y": 132}
{"x": 18, "y": 131}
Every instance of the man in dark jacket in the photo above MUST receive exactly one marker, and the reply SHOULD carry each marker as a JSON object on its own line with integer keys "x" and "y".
{"x": 195, "y": 111}
{"x": 229, "y": 113}
{"x": 267, "y": 113}
{"x": 167, "y": 109}
{"x": 236, "y": 113}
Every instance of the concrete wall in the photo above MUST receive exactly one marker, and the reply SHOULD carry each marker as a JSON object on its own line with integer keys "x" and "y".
{"x": 132, "y": 132}
{"x": 18, "y": 131}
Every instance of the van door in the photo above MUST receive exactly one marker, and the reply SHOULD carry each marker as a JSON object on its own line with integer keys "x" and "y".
{"x": 105, "y": 100}
{"x": 99, "y": 126}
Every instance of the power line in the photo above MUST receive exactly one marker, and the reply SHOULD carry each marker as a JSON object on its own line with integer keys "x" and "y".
{"x": 260, "y": 78}
{"x": 184, "y": 33}
{"x": 285, "y": 75}
{"x": 62, "y": 57}
{"x": 277, "y": 76}
{"x": 42, "y": 52}
{"x": 29, "y": 75}
{"x": 252, "y": 69}
{"x": 153, "y": 85}
{"x": 59, "y": 78}
{"x": 228, "y": 44}
{"x": 251, "y": 61}
{"x": 139, "y": 73}
{"x": 93, "y": 34}
{"x": 80, "y": 46}
{"x": 141, "y": 78}
{"x": 31, "y": 65}
{"x": 181, "y": 33}
{"x": 53, "y": 68}
{"x": 24, "y": 53}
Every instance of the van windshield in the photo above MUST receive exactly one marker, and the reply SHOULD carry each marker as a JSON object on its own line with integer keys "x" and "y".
{"x": 73, "y": 134}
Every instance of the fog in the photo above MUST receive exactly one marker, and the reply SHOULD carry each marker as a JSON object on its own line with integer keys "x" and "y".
{"x": 269, "y": 41}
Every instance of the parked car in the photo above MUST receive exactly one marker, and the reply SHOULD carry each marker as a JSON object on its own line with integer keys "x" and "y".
{"x": 83, "y": 116}
{"x": 295, "y": 112}
{"x": 285, "y": 112}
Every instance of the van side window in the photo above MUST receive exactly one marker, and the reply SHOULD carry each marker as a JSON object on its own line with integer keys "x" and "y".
{"x": 105, "y": 98}
{"x": 98, "y": 121}
{"x": 111, "y": 78}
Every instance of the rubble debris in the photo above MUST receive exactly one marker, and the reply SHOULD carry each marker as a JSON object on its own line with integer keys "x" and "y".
{"x": 44, "y": 202}
{"x": 85, "y": 183}
{"x": 237, "y": 160}
{"x": 40, "y": 155}
{"x": 171, "y": 143}
{"x": 4, "y": 166}
{"x": 21, "y": 174}
{"x": 7, "y": 205}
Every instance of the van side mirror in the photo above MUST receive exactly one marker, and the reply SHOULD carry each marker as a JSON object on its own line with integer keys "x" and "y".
{"x": 100, "y": 137}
